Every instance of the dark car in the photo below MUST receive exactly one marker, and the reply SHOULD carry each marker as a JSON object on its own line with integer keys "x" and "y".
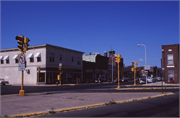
{"x": 142, "y": 80}
{"x": 3, "y": 82}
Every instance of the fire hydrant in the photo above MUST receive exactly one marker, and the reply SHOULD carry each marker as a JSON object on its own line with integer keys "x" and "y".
{"x": 56, "y": 83}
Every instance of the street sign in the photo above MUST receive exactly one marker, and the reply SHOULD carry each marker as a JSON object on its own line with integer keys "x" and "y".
{"x": 21, "y": 62}
{"x": 21, "y": 58}
{"x": 147, "y": 67}
{"x": 21, "y": 67}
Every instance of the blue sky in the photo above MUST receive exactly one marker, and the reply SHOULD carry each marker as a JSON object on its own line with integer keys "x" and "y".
{"x": 94, "y": 26}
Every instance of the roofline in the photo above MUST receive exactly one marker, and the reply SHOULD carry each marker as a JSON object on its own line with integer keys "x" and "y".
{"x": 39, "y": 46}
{"x": 170, "y": 45}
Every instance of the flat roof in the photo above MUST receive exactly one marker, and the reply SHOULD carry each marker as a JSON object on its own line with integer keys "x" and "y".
{"x": 39, "y": 46}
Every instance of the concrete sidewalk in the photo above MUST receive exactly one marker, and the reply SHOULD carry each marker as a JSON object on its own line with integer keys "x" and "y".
{"x": 33, "y": 104}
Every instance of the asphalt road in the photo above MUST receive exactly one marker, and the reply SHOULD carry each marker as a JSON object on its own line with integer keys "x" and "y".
{"x": 166, "y": 106}
{"x": 104, "y": 87}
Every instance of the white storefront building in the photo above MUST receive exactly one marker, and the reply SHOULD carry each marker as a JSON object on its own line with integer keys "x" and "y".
{"x": 48, "y": 58}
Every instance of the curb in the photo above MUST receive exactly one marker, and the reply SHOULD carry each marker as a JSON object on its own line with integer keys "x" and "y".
{"x": 145, "y": 88}
{"x": 87, "y": 106}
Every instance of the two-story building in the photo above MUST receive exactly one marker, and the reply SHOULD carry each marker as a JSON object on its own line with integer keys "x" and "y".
{"x": 48, "y": 58}
{"x": 170, "y": 63}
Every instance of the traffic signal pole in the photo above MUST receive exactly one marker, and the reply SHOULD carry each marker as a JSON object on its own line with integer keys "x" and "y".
{"x": 23, "y": 47}
{"x": 21, "y": 92}
{"x": 134, "y": 76}
{"x": 118, "y": 60}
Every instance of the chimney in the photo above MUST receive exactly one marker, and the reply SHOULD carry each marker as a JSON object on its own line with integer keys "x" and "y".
{"x": 89, "y": 53}
{"x": 105, "y": 53}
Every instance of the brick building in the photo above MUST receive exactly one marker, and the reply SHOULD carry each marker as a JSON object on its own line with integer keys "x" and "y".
{"x": 95, "y": 66}
{"x": 170, "y": 63}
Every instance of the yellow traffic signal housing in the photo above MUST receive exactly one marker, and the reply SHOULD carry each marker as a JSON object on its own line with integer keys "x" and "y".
{"x": 20, "y": 42}
{"x": 118, "y": 58}
{"x": 26, "y": 40}
{"x": 136, "y": 64}
{"x": 132, "y": 69}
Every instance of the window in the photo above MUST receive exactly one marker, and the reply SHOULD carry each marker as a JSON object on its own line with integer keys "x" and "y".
{"x": 16, "y": 61}
{"x": 170, "y": 59}
{"x": 38, "y": 59}
{"x": 51, "y": 57}
{"x": 2, "y": 61}
{"x": 31, "y": 59}
{"x": 38, "y": 56}
{"x": 78, "y": 61}
{"x": 72, "y": 59}
{"x": 7, "y": 61}
{"x": 60, "y": 57}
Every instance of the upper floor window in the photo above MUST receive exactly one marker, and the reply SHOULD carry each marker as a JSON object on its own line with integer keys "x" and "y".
{"x": 7, "y": 61}
{"x": 16, "y": 58}
{"x": 60, "y": 57}
{"x": 2, "y": 61}
{"x": 72, "y": 59}
{"x": 51, "y": 57}
{"x": 38, "y": 56}
{"x": 78, "y": 61}
{"x": 1, "y": 58}
{"x": 31, "y": 57}
{"x": 16, "y": 61}
{"x": 170, "y": 59}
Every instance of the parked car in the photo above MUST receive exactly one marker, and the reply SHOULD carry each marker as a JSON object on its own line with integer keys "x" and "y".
{"x": 3, "y": 82}
{"x": 159, "y": 79}
{"x": 142, "y": 80}
{"x": 149, "y": 79}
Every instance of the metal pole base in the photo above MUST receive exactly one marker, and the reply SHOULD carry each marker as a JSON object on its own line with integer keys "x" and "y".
{"x": 118, "y": 87}
{"x": 134, "y": 84}
{"x": 37, "y": 84}
{"x": 21, "y": 92}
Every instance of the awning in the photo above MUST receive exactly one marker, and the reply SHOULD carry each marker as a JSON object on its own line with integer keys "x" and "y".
{"x": 6, "y": 57}
{"x": 30, "y": 55}
{"x": 15, "y": 57}
{"x": 1, "y": 57}
{"x": 38, "y": 54}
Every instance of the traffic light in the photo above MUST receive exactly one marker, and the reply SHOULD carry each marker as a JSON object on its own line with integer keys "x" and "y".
{"x": 136, "y": 64}
{"x": 26, "y": 40}
{"x": 21, "y": 42}
{"x": 132, "y": 64}
{"x": 132, "y": 69}
{"x": 118, "y": 58}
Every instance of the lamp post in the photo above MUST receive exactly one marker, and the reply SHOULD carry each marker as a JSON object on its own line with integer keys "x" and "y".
{"x": 145, "y": 58}
{"x": 112, "y": 66}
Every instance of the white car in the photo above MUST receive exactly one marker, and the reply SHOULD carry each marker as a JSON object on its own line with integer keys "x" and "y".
{"x": 3, "y": 82}
{"x": 149, "y": 79}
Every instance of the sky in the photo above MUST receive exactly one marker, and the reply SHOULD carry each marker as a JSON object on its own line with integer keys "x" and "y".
{"x": 94, "y": 26}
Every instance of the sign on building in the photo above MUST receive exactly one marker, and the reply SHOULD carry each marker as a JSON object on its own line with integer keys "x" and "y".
{"x": 147, "y": 67}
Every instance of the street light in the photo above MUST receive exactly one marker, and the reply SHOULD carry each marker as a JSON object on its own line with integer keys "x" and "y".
{"x": 145, "y": 58}
{"x": 112, "y": 66}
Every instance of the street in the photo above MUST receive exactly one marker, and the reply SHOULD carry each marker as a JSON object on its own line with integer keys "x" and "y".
{"x": 166, "y": 106}
{"x": 94, "y": 87}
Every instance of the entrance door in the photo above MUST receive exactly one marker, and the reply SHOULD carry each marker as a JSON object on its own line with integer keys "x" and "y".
{"x": 170, "y": 75}
{"x": 41, "y": 77}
